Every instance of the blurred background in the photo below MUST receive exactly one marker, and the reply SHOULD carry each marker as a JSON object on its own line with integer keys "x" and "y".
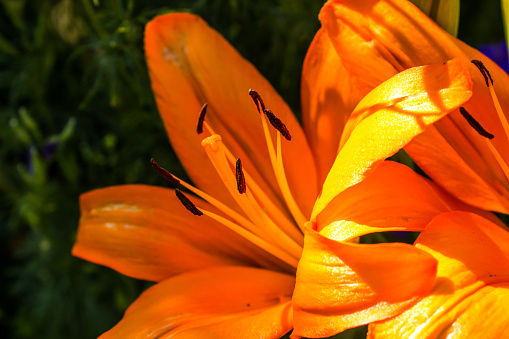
{"x": 77, "y": 113}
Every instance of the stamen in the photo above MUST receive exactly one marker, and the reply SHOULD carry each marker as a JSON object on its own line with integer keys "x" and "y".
{"x": 278, "y": 253}
{"x": 244, "y": 229}
{"x": 164, "y": 173}
{"x": 280, "y": 218}
{"x": 257, "y": 100}
{"x": 201, "y": 119}
{"x": 285, "y": 188}
{"x": 484, "y": 71}
{"x": 220, "y": 206}
{"x": 499, "y": 158}
{"x": 487, "y": 77}
{"x": 277, "y": 124}
{"x": 265, "y": 227}
{"x": 239, "y": 175}
{"x": 213, "y": 148}
{"x": 277, "y": 167}
{"x": 187, "y": 203}
{"x": 475, "y": 124}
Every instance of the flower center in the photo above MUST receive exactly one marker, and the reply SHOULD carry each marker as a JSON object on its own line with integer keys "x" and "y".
{"x": 261, "y": 222}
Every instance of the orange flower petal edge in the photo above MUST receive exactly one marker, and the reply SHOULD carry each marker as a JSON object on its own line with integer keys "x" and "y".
{"x": 342, "y": 285}
{"x": 470, "y": 295}
{"x": 145, "y": 232}
{"x": 328, "y": 96}
{"x": 222, "y": 302}
{"x": 396, "y": 112}
{"x": 392, "y": 198}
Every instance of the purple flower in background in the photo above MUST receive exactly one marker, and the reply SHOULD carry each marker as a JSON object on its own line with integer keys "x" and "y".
{"x": 497, "y": 52}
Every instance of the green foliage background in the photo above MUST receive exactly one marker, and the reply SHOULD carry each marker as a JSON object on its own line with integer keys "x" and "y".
{"x": 77, "y": 113}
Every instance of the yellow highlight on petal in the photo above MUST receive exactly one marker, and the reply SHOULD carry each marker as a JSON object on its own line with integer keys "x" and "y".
{"x": 390, "y": 116}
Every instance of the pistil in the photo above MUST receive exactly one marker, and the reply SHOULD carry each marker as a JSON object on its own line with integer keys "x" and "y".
{"x": 265, "y": 227}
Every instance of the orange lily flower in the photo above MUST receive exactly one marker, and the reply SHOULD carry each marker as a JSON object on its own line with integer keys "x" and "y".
{"x": 231, "y": 268}
{"x": 379, "y": 38}
{"x": 470, "y": 297}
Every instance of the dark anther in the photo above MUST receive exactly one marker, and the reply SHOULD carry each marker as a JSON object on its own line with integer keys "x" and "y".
{"x": 239, "y": 175}
{"x": 475, "y": 124}
{"x": 164, "y": 173}
{"x": 484, "y": 71}
{"x": 201, "y": 119}
{"x": 187, "y": 203}
{"x": 257, "y": 100}
{"x": 277, "y": 124}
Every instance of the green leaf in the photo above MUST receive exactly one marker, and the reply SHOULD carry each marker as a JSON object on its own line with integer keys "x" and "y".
{"x": 30, "y": 124}
{"x": 446, "y": 13}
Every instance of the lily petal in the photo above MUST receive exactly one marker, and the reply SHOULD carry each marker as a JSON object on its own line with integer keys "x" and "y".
{"x": 392, "y": 115}
{"x": 392, "y": 198}
{"x": 131, "y": 229}
{"x": 378, "y": 38}
{"x": 328, "y": 96}
{"x": 191, "y": 64}
{"x": 342, "y": 285}
{"x": 476, "y": 176}
{"x": 222, "y": 302}
{"x": 468, "y": 176}
{"x": 473, "y": 271}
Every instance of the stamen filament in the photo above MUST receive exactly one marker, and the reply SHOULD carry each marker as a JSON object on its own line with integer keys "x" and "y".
{"x": 499, "y": 158}
{"x": 266, "y": 228}
{"x": 218, "y": 159}
{"x": 219, "y": 205}
{"x": 268, "y": 205}
{"x": 277, "y": 234}
{"x": 500, "y": 113}
{"x": 209, "y": 128}
{"x": 278, "y": 253}
{"x": 275, "y": 212}
{"x": 281, "y": 180}
{"x": 285, "y": 188}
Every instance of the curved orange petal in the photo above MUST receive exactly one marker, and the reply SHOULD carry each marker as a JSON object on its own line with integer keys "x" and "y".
{"x": 476, "y": 177}
{"x": 473, "y": 271}
{"x": 467, "y": 175}
{"x": 222, "y": 302}
{"x": 392, "y": 198}
{"x": 342, "y": 285}
{"x": 191, "y": 64}
{"x": 378, "y": 38}
{"x": 328, "y": 97}
{"x": 393, "y": 114}
{"x": 483, "y": 314}
{"x": 145, "y": 232}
